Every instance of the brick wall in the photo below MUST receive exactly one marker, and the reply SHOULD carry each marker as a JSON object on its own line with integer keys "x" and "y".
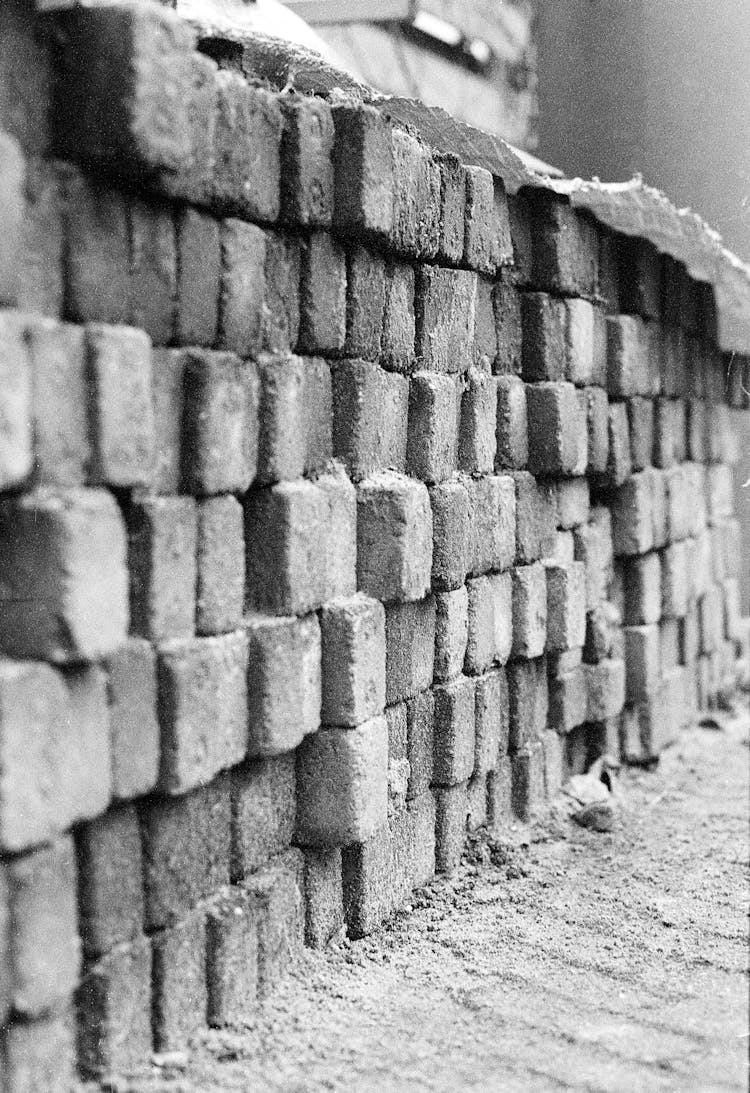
{"x": 347, "y": 502}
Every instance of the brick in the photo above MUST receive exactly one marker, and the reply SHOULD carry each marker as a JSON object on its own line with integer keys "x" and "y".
{"x": 554, "y": 427}
{"x": 633, "y": 514}
{"x": 284, "y": 417}
{"x": 640, "y": 278}
{"x": 247, "y": 139}
{"x": 277, "y": 890}
{"x": 85, "y": 773}
{"x": 114, "y": 1011}
{"x": 41, "y": 1054}
{"x": 452, "y": 208}
{"x": 399, "y": 321}
{"x": 508, "y": 324}
{"x": 363, "y": 172}
{"x": 501, "y": 589}
{"x": 232, "y": 945}
{"x": 193, "y": 181}
{"x": 597, "y": 421}
{"x": 669, "y": 643}
{"x": 63, "y": 574}
{"x": 162, "y": 542}
{"x": 153, "y": 270}
{"x": 180, "y": 997}
{"x": 451, "y": 505}
{"x": 410, "y": 648}
{"x": 353, "y": 660}
{"x": 573, "y": 502}
{"x": 719, "y": 490}
{"x": 56, "y": 353}
{"x": 168, "y": 397}
{"x": 420, "y": 814}
{"x": 535, "y": 519}
{"x": 585, "y": 344}
{"x": 198, "y": 278}
{"x": 324, "y": 897}
{"x": 493, "y": 523}
{"x": 628, "y": 371}
{"x": 416, "y": 198}
{"x": 568, "y": 700}
{"x": 365, "y": 303}
{"x": 485, "y": 325}
{"x": 593, "y": 547}
{"x": 528, "y": 787}
{"x": 675, "y": 350}
{"x": 444, "y": 318}
{"x": 606, "y": 689}
{"x": 33, "y": 746}
{"x": 543, "y": 322}
{"x": 44, "y": 953}
{"x": 710, "y": 619}
{"x": 16, "y": 400}
{"x": 133, "y": 725}
{"x": 565, "y": 249}
{"x": 145, "y": 124}
{"x": 491, "y": 720}
{"x": 109, "y": 880}
{"x": 12, "y": 181}
{"x": 481, "y": 646}
{"x": 286, "y": 568}
{"x": 479, "y": 412}
{"x": 454, "y": 731}
{"x": 486, "y": 229}
{"x": 529, "y": 610}
{"x": 307, "y": 168}
{"x": 553, "y": 763}
{"x": 566, "y": 606}
{"x": 675, "y": 580}
{"x": 602, "y": 632}
{"x": 220, "y": 423}
{"x": 243, "y": 261}
{"x": 375, "y": 883}
{"x": 451, "y": 632}
{"x": 642, "y": 662}
{"x": 220, "y": 587}
{"x": 432, "y": 445}
{"x": 97, "y": 287}
{"x": 619, "y": 466}
{"x": 477, "y": 802}
{"x": 499, "y": 789}
{"x": 528, "y": 699}
{"x": 451, "y": 812}
{"x": 284, "y": 664}
{"x": 641, "y": 422}
{"x": 394, "y": 538}
{"x": 203, "y": 709}
{"x": 263, "y": 812}
{"x": 186, "y": 848}
{"x": 512, "y": 434}
{"x": 342, "y": 781}
{"x": 564, "y": 552}
{"x": 420, "y": 743}
{"x": 371, "y": 410}
{"x": 339, "y": 533}
{"x": 120, "y": 411}
{"x": 280, "y": 317}
{"x": 681, "y": 503}
{"x": 323, "y": 296}
{"x": 669, "y": 432}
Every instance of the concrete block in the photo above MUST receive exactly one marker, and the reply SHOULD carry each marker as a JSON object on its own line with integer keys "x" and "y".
{"x": 477, "y": 436}
{"x": 246, "y": 150}
{"x": 342, "y": 785}
{"x": 371, "y": 409}
{"x": 535, "y": 519}
{"x": 220, "y": 588}
{"x": 452, "y": 208}
{"x": 280, "y": 319}
{"x": 416, "y": 198}
{"x": 220, "y": 452}
{"x": 641, "y": 422}
{"x": 512, "y": 434}
{"x": 480, "y": 646}
{"x": 63, "y": 575}
{"x": 669, "y": 644}
{"x": 363, "y": 172}
{"x": 353, "y": 660}
{"x": 433, "y": 426}
{"x": 507, "y": 302}
{"x": 528, "y": 700}
{"x": 365, "y": 303}
{"x": 455, "y": 731}
{"x": 501, "y": 591}
{"x": 493, "y": 523}
{"x": 133, "y": 725}
{"x": 597, "y": 421}
{"x": 198, "y": 278}
{"x": 444, "y": 315}
{"x": 491, "y": 720}
{"x": 485, "y": 326}
{"x": 585, "y": 344}
{"x": 676, "y": 580}
{"x": 632, "y": 511}
{"x": 394, "y": 538}
{"x": 162, "y": 552}
{"x": 284, "y": 663}
{"x": 566, "y": 606}
{"x": 263, "y": 813}
{"x": 398, "y": 340}
{"x": 451, "y": 632}
{"x": 57, "y": 355}
{"x": 339, "y": 533}
{"x": 322, "y": 296}
{"x": 97, "y": 243}
{"x": 243, "y": 264}
{"x": 565, "y": 249}
{"x": 168, "y": 397}
{"x": 643, "y": 594}
{"x": 203, "y": 709}
{"x": 555, "y": 424}
{"x": 452, "y": 540}
{"x": 619, "y": 465}
{"x": 153, "y": 270}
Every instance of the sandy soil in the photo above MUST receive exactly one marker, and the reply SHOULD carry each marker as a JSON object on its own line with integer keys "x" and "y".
{"x": 576, "y": 960}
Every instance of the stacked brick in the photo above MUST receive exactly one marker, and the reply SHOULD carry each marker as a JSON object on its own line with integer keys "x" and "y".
{"x": 347, "y": 503}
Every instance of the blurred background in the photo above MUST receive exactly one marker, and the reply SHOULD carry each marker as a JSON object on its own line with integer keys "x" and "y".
{"x": 603, "y": 88}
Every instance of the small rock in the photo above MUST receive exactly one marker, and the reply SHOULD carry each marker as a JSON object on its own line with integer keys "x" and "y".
{"x": 597, "y": 816}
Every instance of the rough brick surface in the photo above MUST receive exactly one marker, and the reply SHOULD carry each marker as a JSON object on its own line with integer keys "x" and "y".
{"x": 284, "y": 664}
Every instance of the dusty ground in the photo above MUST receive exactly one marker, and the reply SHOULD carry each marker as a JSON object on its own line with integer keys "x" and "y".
{"x": 584, "y": 961}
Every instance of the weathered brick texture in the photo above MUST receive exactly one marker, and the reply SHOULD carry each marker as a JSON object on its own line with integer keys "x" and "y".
{"x": 348, "y": 502}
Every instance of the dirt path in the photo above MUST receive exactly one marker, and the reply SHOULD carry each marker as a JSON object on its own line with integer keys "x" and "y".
{"x": 585, "y": 962}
